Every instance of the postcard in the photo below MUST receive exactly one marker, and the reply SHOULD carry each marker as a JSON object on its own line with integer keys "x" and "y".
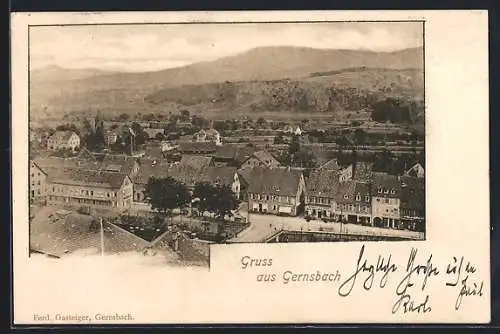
{"x": 313, "y": 167}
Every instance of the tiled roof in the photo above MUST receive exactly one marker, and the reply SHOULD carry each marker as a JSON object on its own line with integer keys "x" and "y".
{"x": 57, "y": 234}
{"x": 363, "y": 171}
{"x": 154, "y": 152}
{"x": 276, "y": 181}
{"x": 82, "y": 177}
{"x": 323, "y": 183}
{"x": 265, "y": 157}
{"x": 233, "y": 152}
{"x": 62, "y": 135}
{"x": 331, "y": 165}
{"x": 222, "y": 175}
{"x": 151, "y": 168}
{"x": 385, "y": 185}
{"x": 195, "y": 161}
{"x": 187, "y": 147}
{"x": 349, "y": 189}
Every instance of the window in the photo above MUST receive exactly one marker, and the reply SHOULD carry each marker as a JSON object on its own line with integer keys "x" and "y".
{"x": 386, "y": 191}
{"x": 32, "y": 174}
{"x": 386, "y": 201}
{"x": 379, "y": 190}
{"x": 392, "y": 191}
{"x": 367, "y": 199}
{"x": 346, "y": 196}
{"x": 358, "y": 198}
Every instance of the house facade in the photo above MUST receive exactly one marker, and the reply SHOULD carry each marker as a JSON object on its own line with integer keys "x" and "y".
{"x": 321, "y": 192}
{"x": 278, "y": 191}
{"x": 91, "y": 189}
{"x": 110, "y": 137}
{"x": 354, "y": 202}
{"x": 386, "y": 202}
{"x": 413, "y": 203}
{"x": 63, "y": 140}
{"x": 37, "y": 182}
{"x": 210, "y": 135}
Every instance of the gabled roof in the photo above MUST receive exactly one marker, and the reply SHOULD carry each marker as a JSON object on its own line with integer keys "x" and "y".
{"x": 416, "y": 170}
{"x": 389, "y": 184}
{"x": 349, "y": 189}
{"x": 90, "y": 178}
{"x": 276, "y": 181}
{"x": 363, "y": 171}
{"x": 323, "y": 183}
{"x": 265, "y": 157}
{"x": 151, "y": 168}
{"x": 187, "y": 147}
{"x": 331, "y": 165}
{"x": 154, "y": 152}
{"x": 62, "y": 135}
{"x": 196, "y": 161}
{"x": 233, "y": 152}
{"x": 221, "y": 175}
{"x": 74, "y": 231}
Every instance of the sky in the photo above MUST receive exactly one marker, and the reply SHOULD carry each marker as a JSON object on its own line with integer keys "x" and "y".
{"x": 136, "y": 48}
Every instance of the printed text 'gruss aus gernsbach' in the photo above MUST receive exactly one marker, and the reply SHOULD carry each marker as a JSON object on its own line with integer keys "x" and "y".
{"x": 409, "y": 280}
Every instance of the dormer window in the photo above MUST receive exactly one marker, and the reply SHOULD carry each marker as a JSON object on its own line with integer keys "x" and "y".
{"x": 358, "y": 198}
{"x": 346, "y": 196}
{"x": 379, "y": 190}
{"x": 386, "y": 191}
{"x": 367, "y": 199}
{"x": 393, "y": 191}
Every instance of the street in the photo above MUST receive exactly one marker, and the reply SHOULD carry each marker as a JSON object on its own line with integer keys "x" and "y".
{"x": 262, "y": 226}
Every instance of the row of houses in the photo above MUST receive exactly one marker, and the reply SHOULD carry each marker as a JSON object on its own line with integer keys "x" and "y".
{"x": 353, "y": 194}
{"x": 368, "y": 198}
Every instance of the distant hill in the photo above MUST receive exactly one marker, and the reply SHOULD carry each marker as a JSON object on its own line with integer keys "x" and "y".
{"x": 59, "y": 74}
{"x": 311, "y": 69}
{"x": 345, "y": 91}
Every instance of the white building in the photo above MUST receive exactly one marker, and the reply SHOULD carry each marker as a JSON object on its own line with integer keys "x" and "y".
{"x": 210, "y": 135}
{"x": 63, "y": 140}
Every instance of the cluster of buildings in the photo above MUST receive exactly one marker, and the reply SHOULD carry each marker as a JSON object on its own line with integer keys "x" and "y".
{"x": 353, "y": 194}
{"x": 366, "y": 197}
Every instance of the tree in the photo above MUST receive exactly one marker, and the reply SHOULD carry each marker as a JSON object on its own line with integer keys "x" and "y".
{"x": 185, "y": 115}
{"x": 279, "y": 139}
{"x": 141, "y": 136}
{"x": 199, "y": 121}
{"x": 160, "y": 136}
{"x": 294, "y": 145}
{"x": 124, "y": 117}
{"x": 305, "y": 159}
{"x": 203, "y": 193}
{"x": 224, "y": 201}
{"x": 261, "y": 121}
{"x": 68, "y": 127}
{"x": 166, "y": 194}
{"x": 360, "y": 136}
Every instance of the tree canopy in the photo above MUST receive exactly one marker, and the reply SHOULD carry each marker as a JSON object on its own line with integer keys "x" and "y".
{"x": 166, "y": 194}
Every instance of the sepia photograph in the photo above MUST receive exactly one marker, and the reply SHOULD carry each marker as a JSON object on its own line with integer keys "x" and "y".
{"x": 167, "y": 138}
{"x": 184, "y": 167}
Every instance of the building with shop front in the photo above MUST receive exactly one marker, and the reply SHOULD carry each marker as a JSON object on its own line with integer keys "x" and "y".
{"x": 386, "y": 202}
{"x": 354, "y": 202}
{"x": 278, "y": 191}
{"x": 321, "y": 192}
